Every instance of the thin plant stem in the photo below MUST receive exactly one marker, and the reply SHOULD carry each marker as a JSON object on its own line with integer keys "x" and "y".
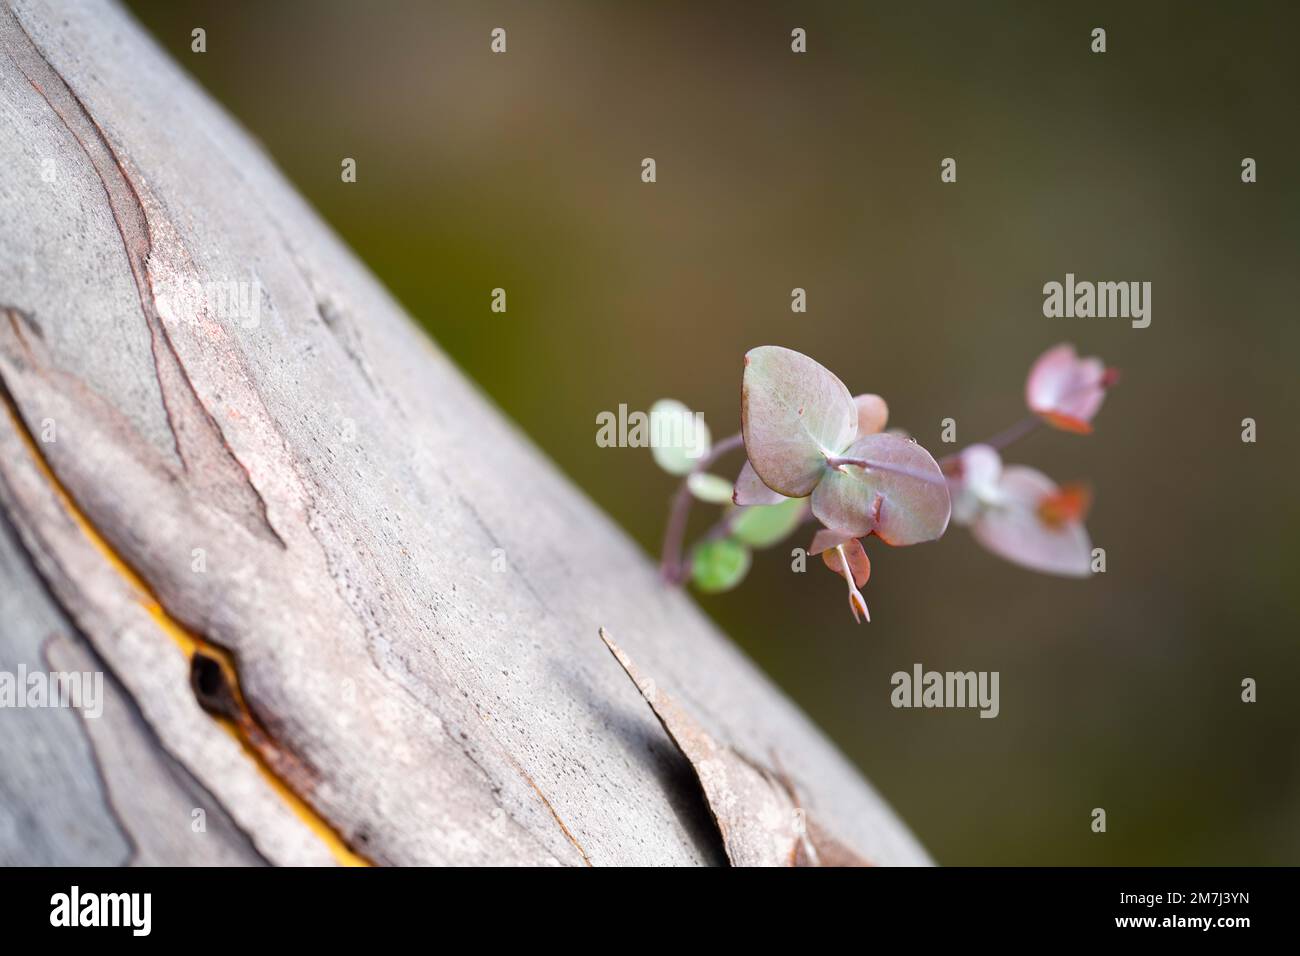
{"x": 1030, "y": 424}
{"x": 1009, "y": 436}
{"x": 870, "y": 465}
{"x": 671, "y": 566}
{"x": 1003, "y": 439}
{"x": 860, "y": 601}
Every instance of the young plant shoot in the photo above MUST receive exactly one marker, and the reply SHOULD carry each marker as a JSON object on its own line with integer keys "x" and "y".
{"x": 815, "y": 453}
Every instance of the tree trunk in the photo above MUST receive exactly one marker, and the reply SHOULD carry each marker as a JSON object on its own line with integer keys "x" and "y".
{"x": 346, "y": 612}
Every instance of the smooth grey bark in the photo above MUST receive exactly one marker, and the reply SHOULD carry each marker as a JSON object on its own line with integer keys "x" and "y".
{"x": 321, "y": 493}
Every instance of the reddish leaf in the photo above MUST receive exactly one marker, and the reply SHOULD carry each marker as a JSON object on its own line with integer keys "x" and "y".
{"x": 859, "y": 563}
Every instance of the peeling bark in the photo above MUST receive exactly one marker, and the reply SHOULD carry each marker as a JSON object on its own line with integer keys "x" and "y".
{"x": 309, "y": 503}
{"x": 758, "y": 810}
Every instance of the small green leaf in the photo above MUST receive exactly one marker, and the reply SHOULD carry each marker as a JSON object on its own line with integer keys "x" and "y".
{"x": 678, "y": 437}
{"x": 719, "y": 565}
{"x": 710, "y": 488}
{"x": 762, "y": 526}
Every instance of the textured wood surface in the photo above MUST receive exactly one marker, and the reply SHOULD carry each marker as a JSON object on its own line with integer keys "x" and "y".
{"x": 317, "y": 491}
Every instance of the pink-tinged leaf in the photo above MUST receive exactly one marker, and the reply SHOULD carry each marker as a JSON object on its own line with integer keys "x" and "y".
{"x": 825, "y": 539}
{"x": 981, "y": 466}
{"x": 976, "y": 483}
{"x": 873, "y": 413}
{"x": 794, "y": 414}
{"x": 1015, "y": 530}
{"x": 1067, "y": 391}
{"x": 902, "y": 501}
{"x": 750, "y": 489}
{"x": 859, "y": 563}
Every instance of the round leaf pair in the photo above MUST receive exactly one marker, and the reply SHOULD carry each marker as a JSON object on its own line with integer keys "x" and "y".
{"x": 796, "y": 415}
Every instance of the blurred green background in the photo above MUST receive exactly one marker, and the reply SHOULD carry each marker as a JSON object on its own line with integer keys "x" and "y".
{"x": 777, "y": 170}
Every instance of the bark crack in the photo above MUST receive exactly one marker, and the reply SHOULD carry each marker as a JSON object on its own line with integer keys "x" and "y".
{"x": 274, "y": 762}
{"x": 200, "y": 445}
